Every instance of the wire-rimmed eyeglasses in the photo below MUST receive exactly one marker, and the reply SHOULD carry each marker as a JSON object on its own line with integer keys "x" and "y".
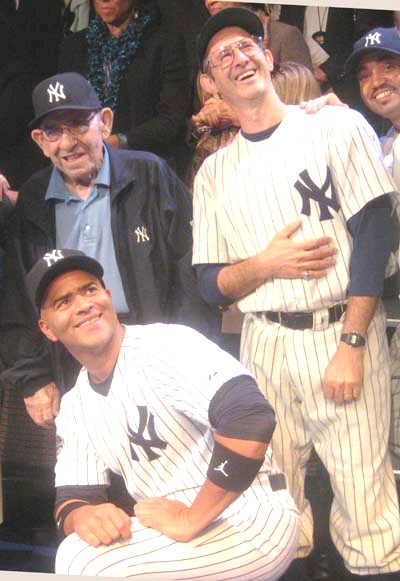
{"x": 223, "y": 58}
{"x": 76, "y": 127}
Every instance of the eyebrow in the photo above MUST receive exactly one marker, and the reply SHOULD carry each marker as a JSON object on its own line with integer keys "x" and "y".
{"x": 70, "y": 294}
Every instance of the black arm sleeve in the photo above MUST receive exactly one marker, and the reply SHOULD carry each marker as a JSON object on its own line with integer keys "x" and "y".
{"x": 239, "y": 410}
{"x": 96, "y": 494}
{"x": 207, "y": 275}
{"x": 372, "y": 229}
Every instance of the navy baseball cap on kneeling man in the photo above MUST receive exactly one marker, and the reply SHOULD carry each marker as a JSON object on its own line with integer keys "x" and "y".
{"x": 240, "y": 17}
{"x": 55, "y": 263}
{"x": 376, "y": 40}
{"x": 61, "y": 92}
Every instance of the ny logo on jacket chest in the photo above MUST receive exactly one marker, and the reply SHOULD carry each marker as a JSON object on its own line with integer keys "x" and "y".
{"x": 309, "y": 190}
{"x": 142, "y": 235}
{"x": 146, "y": 423}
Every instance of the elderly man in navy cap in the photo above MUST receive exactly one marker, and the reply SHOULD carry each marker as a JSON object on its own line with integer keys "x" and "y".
{"x": 126, "y": 209}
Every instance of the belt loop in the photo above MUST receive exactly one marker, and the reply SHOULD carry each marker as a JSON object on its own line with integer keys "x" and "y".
{"x": 320, "y": 320}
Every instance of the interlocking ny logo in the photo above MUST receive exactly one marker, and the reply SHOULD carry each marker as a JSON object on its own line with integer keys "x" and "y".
{"x": 311, "y": 191}
{"x": 141, "y": 234}
{"x": 146, "y": 421}
{"x": 372, "y": 39}
{"x": 52, "y": 257}
{"x": 56, "y": 91}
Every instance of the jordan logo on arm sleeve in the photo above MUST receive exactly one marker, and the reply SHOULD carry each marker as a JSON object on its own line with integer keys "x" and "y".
{"x": 146, "y": 421}
{"x": 311, "y": 191}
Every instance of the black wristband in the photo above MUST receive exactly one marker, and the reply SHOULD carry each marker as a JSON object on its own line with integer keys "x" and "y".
{"x": 231, "y": 470}
{"x": 64, "y": 512}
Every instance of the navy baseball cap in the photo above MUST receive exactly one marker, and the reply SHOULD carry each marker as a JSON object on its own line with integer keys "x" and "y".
{"x": 55, "y": 263}
{"x": 60, "y": 92}
{"x": 240, "y": 17}
{"x": 377, "y": 39}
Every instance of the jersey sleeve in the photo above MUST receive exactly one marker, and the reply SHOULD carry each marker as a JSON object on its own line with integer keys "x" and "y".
{"x": 209, "y": 245}
{"x": 356, "y": 161}
{"x": 77, "y": 462}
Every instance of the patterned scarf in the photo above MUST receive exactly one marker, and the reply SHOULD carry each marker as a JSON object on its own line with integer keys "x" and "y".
{"x": 109, "y": 56}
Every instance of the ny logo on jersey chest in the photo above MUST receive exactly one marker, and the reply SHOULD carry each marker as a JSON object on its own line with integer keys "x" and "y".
{"x": 146, "y": 422}
{"x": 311, "y": 191}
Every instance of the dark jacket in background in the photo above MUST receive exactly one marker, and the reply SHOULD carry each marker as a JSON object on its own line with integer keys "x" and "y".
{"x": 41, "y": 22}
{"x": 19, "y": 156}
{"x": 154, "y": 94}
{"x": 344, "y": 27}
{"x": 157, "y": 275}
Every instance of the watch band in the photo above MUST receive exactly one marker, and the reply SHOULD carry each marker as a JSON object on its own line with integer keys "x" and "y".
{"x": 354, "y": 339}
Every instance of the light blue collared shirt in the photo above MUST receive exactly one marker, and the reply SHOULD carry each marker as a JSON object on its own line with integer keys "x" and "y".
{"x": 86, "y": 225}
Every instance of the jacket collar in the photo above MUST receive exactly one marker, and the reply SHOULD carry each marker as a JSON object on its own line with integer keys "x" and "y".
{"x": 121, "y": 172}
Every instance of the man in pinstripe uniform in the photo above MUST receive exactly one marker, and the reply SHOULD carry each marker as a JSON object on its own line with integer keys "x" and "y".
{"x": 181, "y": 421}
{"x": 317, "y": 346}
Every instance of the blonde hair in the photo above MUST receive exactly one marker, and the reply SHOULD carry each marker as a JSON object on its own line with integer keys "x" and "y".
{"x": 294, "y": 83}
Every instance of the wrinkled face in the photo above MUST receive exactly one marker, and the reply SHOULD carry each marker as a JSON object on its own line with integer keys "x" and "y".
{"x": 214, "y": 6}
{"x": 114, "y": 12}
{"x": 78, "y": 312}
{"x": 379, "y": 79}
{"x": 246, "y": 78}
{"x": 78, "y": 156}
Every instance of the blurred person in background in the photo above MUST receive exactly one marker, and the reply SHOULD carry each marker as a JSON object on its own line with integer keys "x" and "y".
{"x": 138, "y": 70}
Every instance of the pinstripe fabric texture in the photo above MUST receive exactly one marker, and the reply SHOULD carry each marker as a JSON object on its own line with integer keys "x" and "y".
{"x": 350, "y": 439}
{"x": 152, "y": 428}
{"x": 391, "y": 149}
{"x": 321, "y": 169}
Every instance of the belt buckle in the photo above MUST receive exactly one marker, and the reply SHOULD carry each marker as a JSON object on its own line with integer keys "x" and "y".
{"x": 320, "y": 320}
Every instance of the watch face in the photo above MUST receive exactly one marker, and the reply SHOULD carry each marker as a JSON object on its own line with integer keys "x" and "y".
{"x": 353, "y": 339}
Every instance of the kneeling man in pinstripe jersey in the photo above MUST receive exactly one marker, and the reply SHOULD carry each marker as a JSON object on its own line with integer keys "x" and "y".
{"x": 181, "y": 421}
{"x": 314, "y": 332}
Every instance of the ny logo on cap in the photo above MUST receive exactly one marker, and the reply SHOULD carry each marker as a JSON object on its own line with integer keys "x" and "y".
{"x": 52, "y": 257}
{"x": 372, "y": 39}
{"x": 56, "y": 91}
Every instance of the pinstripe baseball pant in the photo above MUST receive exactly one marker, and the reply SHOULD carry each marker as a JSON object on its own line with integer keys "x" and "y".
{"x": 394, "y": 437}
{"x": 351, "y": 439}
{"x": 261, "y": 547}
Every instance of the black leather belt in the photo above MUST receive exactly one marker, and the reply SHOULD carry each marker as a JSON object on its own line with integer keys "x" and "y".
{"x": 304, "y": 319}
{"x": 277, "y": 481}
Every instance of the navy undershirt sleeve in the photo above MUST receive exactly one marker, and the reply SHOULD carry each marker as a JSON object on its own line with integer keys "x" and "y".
{"x": 93, "y": 494}
{"x": 207, "y": 275}
{"x": 239, "y": 410}
{"x": 372, "y": 229}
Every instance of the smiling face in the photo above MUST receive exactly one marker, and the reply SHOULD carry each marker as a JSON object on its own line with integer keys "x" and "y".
{"x": 247, "y": 78}
{"x": 77, "y": 311}
{"x": 78, "y": 157}
{"x": 379, "y": 79}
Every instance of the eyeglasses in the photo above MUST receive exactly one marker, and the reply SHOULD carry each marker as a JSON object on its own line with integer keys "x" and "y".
{"x": 223, "y": 58}
{"x": 75, "y": 127}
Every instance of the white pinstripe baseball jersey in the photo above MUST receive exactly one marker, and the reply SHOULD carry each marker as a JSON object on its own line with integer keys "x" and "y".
{"x": 319, "y": 168}
{"x": 152, "y": 427}
{"x": 156, "y": 409}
